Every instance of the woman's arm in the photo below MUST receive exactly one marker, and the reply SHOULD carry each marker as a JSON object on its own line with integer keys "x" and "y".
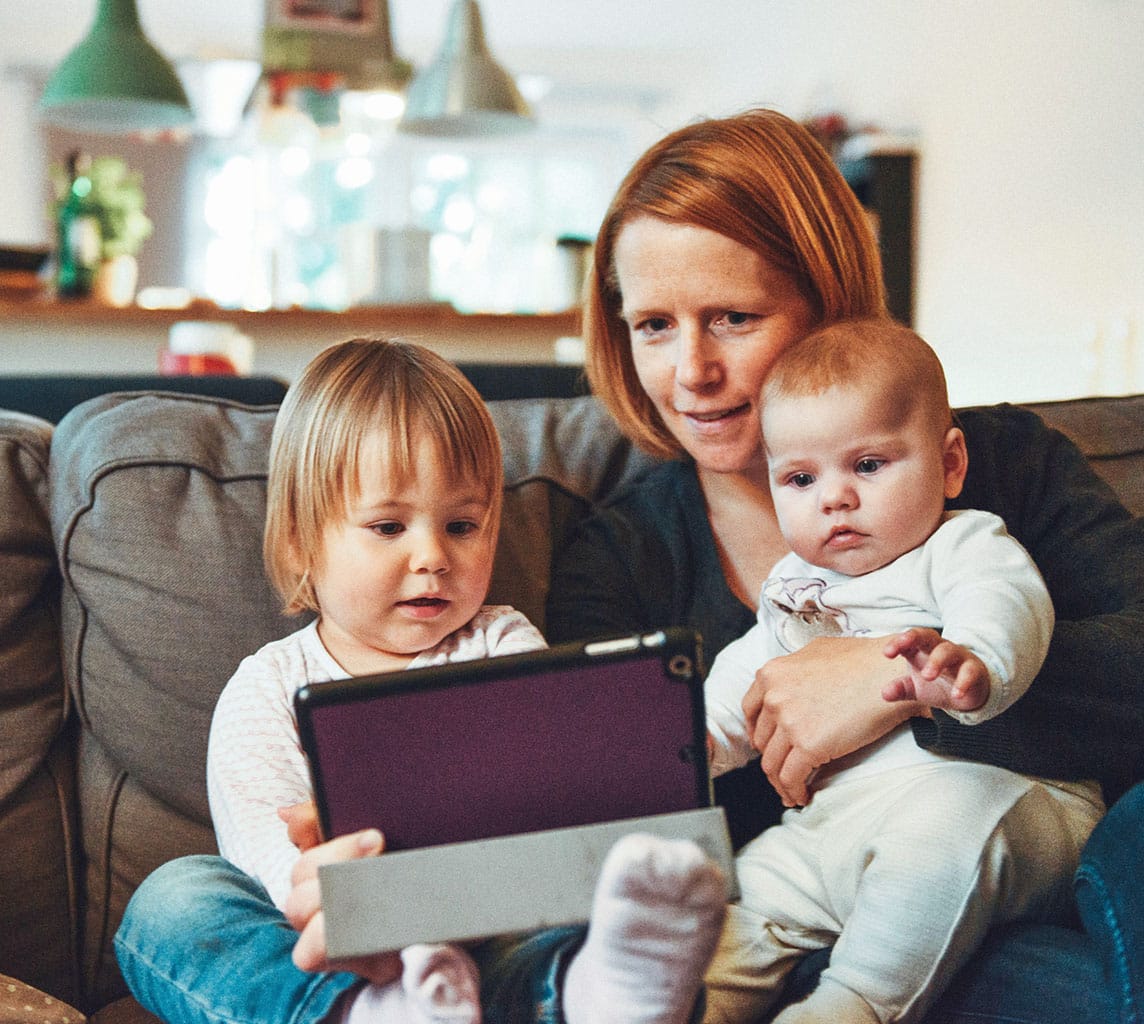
{"x": 1084, "y": 713}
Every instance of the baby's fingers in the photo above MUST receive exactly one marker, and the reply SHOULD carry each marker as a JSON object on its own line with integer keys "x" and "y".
{"x": 901, "y": 688}
{"x": 944, "y": 660}
{"x": 912, "y": 645}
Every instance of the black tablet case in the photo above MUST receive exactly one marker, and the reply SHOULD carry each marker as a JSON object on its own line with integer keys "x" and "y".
{"x": 572, "y": 735}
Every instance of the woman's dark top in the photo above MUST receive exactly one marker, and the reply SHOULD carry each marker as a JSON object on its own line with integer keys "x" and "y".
{"x": 648, "y": 560}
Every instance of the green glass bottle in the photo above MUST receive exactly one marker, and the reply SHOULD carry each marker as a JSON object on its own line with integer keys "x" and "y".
{"x": 80, "y": 240}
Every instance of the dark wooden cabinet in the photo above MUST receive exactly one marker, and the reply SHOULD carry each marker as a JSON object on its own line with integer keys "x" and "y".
{"x": 885, "y": 184}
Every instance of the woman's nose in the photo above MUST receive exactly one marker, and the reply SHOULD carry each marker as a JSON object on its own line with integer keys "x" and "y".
{"x": 695, "y": 366}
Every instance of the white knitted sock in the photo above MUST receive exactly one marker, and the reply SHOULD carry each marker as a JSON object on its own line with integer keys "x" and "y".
{"x": 443, "y": 983}
{"x": 439, "y": 985}
{"x": 656, "y": 918}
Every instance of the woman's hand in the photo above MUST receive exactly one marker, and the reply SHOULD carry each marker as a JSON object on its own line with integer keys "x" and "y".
{"x": 818, "y": 704}
{"x": 304, "y": 904}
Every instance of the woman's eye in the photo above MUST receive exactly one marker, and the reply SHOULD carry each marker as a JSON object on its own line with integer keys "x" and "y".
{"x": 651, "y": 326}
{"x": 735, "y": 318}
{"x": 868, "y": 466}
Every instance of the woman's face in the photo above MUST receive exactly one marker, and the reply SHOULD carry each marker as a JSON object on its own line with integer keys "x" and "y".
{"x": 707, "y": 318}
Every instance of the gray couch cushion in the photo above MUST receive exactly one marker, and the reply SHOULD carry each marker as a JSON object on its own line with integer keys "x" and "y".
{"x": 157, "y": 507}
{"x": 36, "y": 871}
{"x": 561, "y": 455}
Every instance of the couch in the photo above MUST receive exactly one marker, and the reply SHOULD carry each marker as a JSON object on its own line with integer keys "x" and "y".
{"x": 132, "y": 586}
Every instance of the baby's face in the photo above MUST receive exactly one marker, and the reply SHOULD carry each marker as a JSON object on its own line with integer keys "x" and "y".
{"x": 408, "y": 564}
{"x": 852, "y": 493}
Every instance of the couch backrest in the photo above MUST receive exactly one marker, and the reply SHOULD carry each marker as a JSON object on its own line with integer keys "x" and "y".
{"x": 1110, "y": 432}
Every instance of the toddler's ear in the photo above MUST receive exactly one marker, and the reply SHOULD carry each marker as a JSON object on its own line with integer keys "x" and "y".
{"x": 955, "y": 461}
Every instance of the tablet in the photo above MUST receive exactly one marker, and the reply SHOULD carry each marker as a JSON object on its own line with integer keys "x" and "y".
{"x": 577, "y": 734}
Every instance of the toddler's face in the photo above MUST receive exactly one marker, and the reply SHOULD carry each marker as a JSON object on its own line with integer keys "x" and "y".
{"x": 852, "y": 494}
{"x": 408, "y": 564}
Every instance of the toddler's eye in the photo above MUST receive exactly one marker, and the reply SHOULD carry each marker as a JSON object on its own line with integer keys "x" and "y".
{"x": 387, "y": 529}
{"x": 868, "y": 466}
{"x": 462, "y": 527}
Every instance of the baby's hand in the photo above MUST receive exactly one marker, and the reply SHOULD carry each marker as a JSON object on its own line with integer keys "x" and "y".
{"x": 941, "y": 674}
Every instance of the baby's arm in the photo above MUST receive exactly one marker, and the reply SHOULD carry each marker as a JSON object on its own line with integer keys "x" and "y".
{"x": 991, "y": 601}
{"x": 940, "y": 673}
{"x": 728, "y": 738}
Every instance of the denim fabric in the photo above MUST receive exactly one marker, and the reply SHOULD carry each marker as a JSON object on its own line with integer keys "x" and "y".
{"x": 522, "y": 975}
{"x": 201, "y": 943}
{"x": 1110, "y": 895}
{"x": 1029, "y": 974}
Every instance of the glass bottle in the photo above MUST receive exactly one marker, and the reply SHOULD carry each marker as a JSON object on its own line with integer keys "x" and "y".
{"x": 80, "y": 239}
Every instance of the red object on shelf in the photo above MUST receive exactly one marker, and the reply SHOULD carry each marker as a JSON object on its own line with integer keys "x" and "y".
{"x": 174, "y": 364}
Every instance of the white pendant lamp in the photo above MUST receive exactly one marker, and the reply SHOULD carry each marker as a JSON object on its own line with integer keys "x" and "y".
{"x": 464, "y": 91}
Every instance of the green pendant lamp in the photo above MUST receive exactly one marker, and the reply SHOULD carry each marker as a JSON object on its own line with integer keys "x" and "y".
{"x": 115, "y": 81}
{"x": 464, "y": 91}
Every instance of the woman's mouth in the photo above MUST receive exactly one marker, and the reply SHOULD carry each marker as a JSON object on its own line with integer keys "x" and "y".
{"x": 715, "y": 416}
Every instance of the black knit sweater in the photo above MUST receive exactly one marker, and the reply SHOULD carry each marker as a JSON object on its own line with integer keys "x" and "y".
{"x": 648, "y": 560}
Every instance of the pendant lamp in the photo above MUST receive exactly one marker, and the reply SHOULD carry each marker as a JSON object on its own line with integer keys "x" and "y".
{"x": 464, "y": 91}
{"x": 115, "y": 81}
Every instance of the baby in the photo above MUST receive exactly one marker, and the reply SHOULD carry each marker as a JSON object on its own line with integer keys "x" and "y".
{"x": 903, "y": 859}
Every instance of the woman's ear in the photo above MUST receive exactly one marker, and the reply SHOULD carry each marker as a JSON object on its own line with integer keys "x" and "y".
{"x": 955, "y": 461}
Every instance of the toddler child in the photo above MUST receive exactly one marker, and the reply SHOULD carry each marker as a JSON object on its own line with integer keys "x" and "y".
{"x": 903, "y": 858}
{"x": 383, "y": 508}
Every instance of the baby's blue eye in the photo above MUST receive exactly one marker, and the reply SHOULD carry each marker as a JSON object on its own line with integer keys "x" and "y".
{"x": 801, "y": 480}
{"x": 868, "y": 466}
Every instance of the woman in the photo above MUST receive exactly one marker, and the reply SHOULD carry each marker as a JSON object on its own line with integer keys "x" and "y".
{"x": 725, "y": 244}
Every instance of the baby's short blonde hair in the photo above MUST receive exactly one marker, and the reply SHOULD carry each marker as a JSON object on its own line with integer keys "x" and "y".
{"x": 352, "y": 391}
{"x": 875, "y": 354}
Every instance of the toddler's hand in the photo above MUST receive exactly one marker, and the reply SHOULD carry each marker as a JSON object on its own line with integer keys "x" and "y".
{"x": 941, "y": 674}
{"x": 302, "y": 824}
{"x": 304, "y": 909}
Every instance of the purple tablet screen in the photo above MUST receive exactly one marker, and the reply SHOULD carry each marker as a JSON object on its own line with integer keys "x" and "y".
{"x": 462, "y": 752}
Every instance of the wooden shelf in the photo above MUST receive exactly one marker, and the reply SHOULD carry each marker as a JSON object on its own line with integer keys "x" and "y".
{"x": 425, "y": 317}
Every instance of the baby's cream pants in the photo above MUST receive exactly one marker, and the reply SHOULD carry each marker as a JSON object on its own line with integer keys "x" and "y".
{"x": 903, "y": 872}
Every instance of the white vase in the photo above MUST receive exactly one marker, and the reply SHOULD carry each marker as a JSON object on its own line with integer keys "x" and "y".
{"x": 115, "y": 280}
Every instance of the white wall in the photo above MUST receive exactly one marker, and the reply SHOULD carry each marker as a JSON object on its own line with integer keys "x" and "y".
{"x": 1030, "y": 116}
